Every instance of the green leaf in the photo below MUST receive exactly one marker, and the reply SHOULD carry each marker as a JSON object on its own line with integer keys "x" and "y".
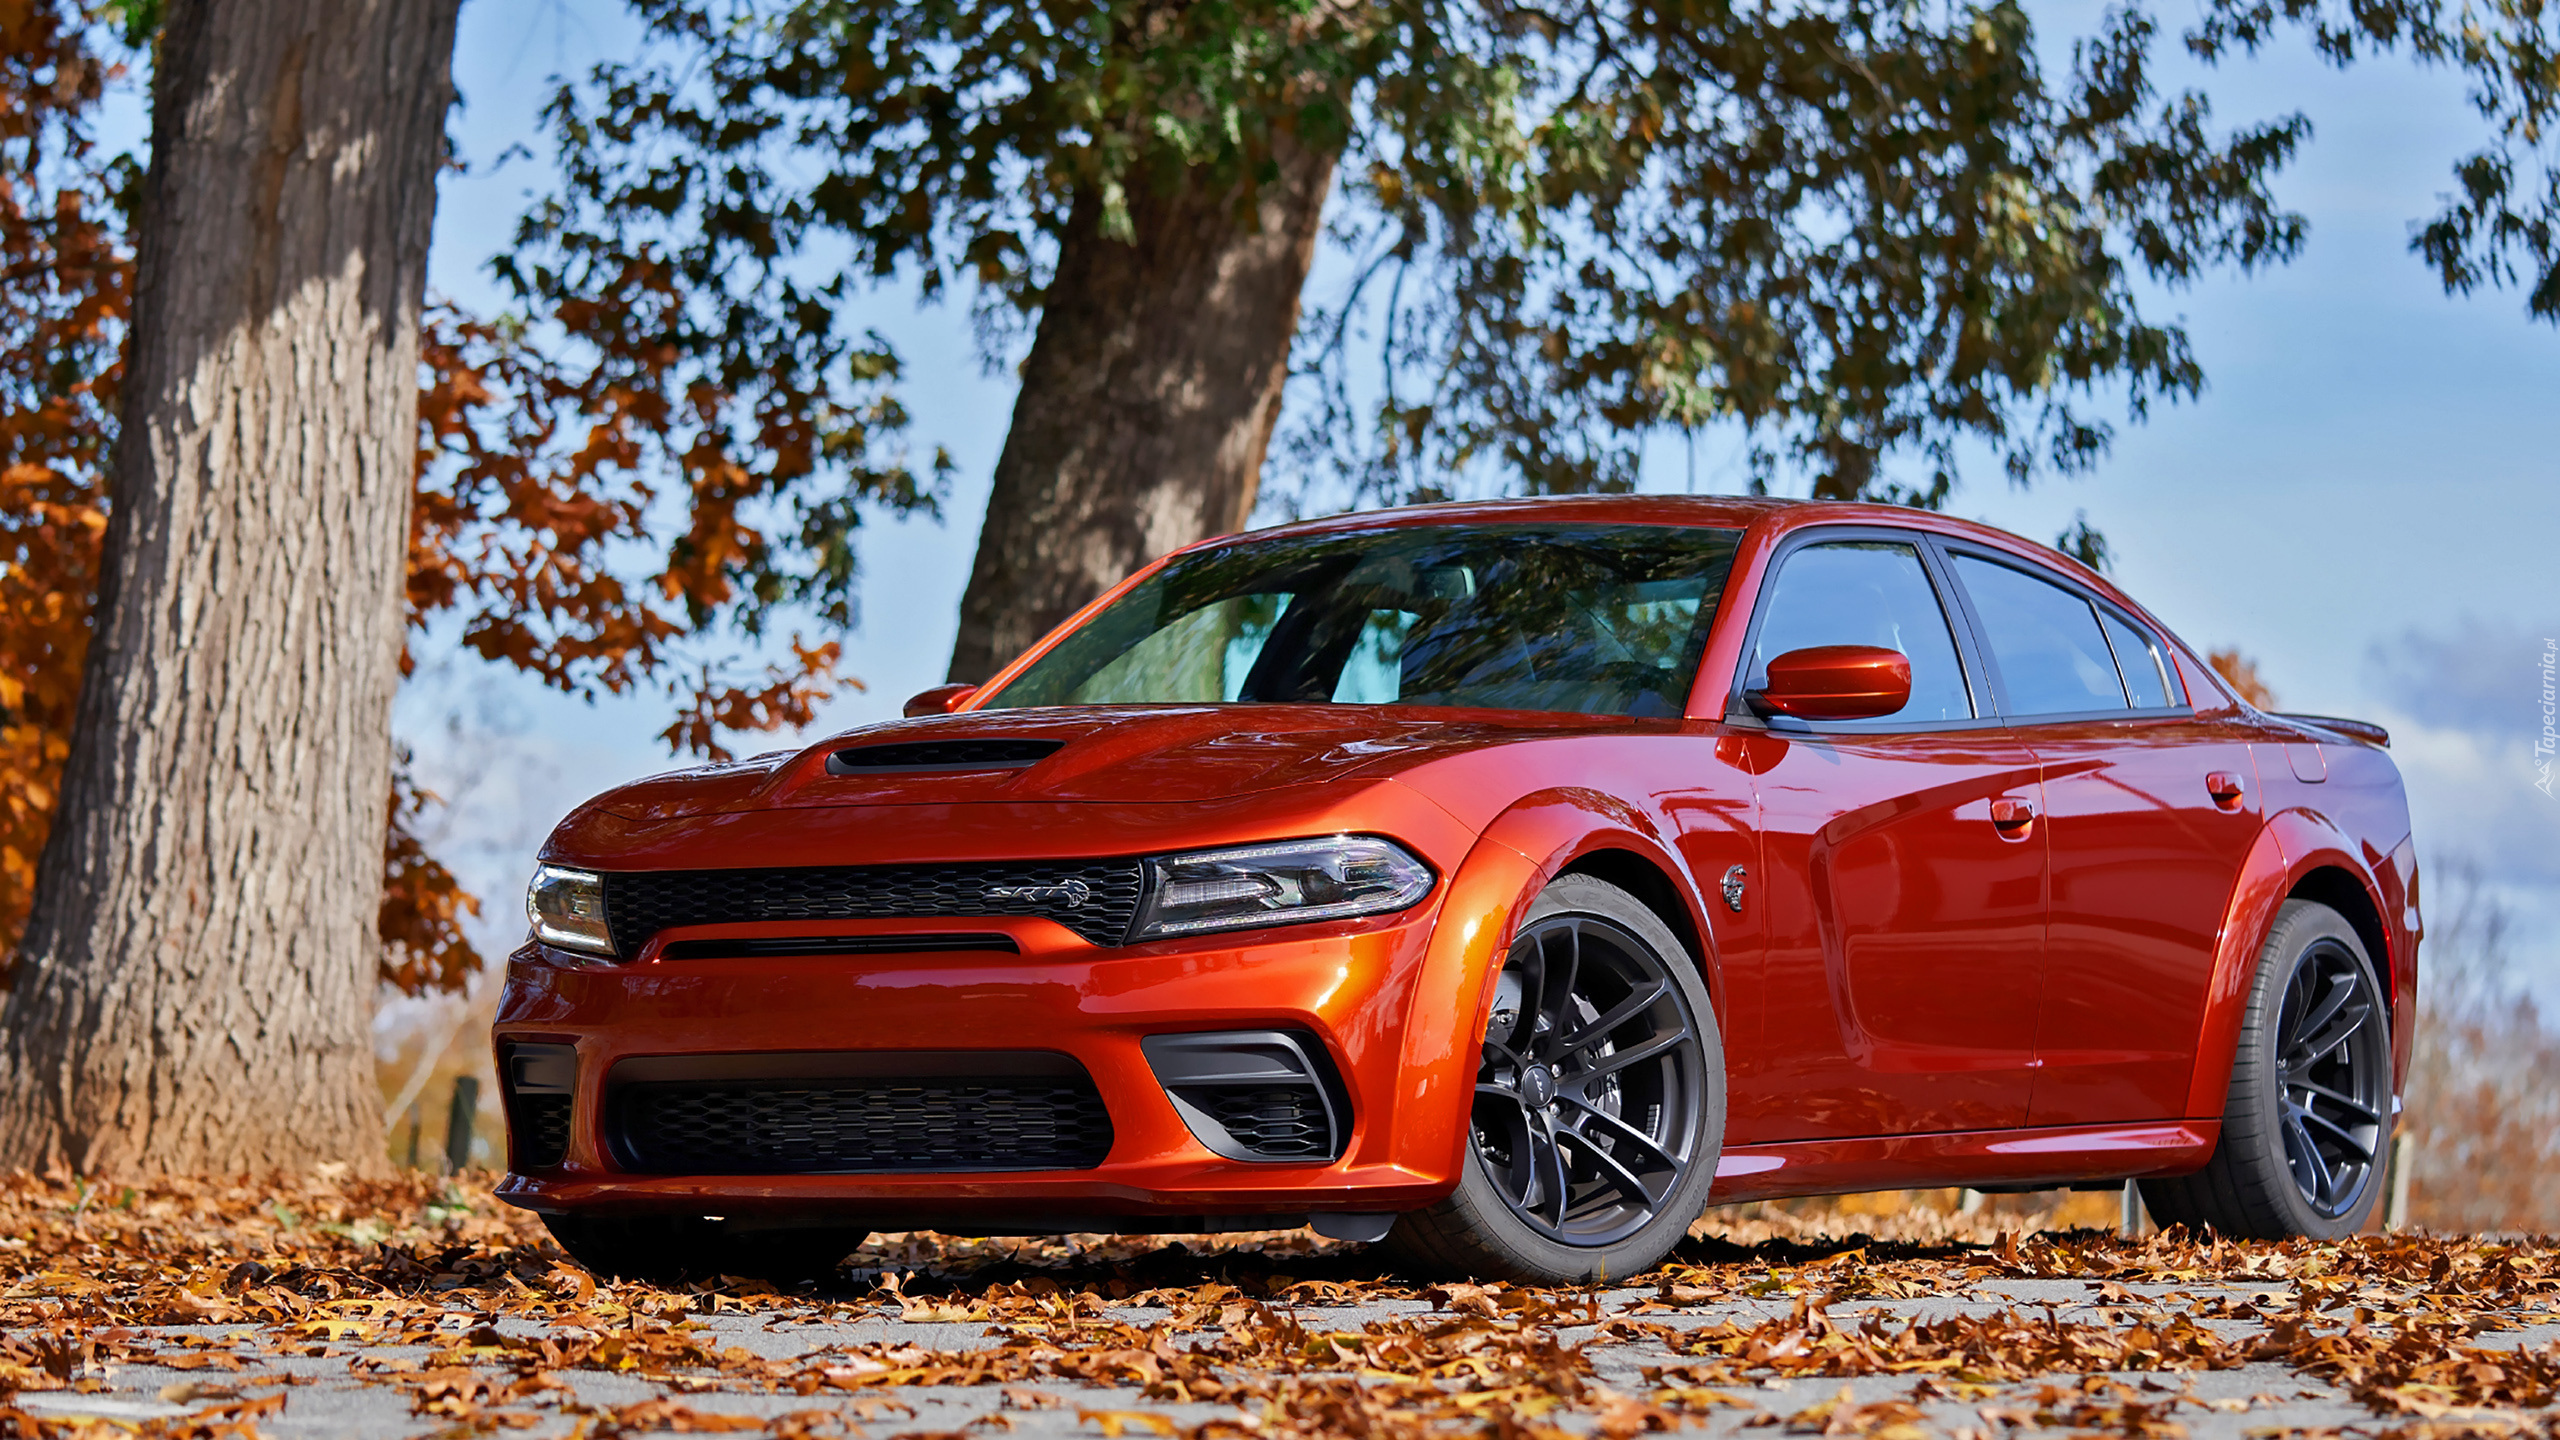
{"x": 137, "y": 21}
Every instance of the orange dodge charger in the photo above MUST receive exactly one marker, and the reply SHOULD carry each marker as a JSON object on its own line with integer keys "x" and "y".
{"x": 1505, "y": 882}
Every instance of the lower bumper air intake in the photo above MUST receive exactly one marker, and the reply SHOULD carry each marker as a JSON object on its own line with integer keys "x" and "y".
{"x": 855, "y": 1112}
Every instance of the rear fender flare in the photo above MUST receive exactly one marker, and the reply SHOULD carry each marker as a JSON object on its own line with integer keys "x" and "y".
{"x": 2292, "y": 844}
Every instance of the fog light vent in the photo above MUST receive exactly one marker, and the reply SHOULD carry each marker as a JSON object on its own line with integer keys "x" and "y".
{"x": 1266, "y": 1095}
{"x": 541, "y": 1084}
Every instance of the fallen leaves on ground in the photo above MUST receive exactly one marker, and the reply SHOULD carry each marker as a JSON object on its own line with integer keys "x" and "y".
{"x": 465, "y": 1310}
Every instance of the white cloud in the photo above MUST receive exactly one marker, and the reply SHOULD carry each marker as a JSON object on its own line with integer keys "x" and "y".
{"x": 2464, "y": 707}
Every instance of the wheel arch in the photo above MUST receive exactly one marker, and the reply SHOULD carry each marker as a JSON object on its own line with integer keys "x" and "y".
{"x": 1653, "y": 889}
{"x": 2348, "y": 893}
{"x": 2299, "y": 855}
{"x": 1523, "y": 851}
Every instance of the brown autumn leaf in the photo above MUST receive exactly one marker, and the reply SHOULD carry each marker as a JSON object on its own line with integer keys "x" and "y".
{"x": 1116, "y": 1423}
{"x": 1843, "y": 1415}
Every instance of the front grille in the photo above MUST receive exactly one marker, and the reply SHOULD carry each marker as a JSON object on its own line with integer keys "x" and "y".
{"x": 721, "y": 1124}
{"x": 757, "y": 947}
{"x": 1094, "y": 898}
{"x": 1275, "y": 1124}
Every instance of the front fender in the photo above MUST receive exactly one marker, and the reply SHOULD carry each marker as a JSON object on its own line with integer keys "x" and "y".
{"x": 2292, "y": 845}
{"x": 1523, "y": 849}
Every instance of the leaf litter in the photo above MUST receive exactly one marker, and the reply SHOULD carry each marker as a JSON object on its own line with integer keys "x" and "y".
{"x": 465, "y": 1309}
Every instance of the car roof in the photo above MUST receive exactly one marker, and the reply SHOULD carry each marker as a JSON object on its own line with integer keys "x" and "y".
{"x": 1770, "y": 515}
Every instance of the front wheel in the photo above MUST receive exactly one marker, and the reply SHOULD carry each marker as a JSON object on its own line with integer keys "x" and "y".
{"x": 1599, "y": 1102}
{"x": 2307, "y": 1119}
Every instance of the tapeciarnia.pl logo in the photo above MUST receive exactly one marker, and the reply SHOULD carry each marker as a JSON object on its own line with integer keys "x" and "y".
{"x": 2549, "y": 741}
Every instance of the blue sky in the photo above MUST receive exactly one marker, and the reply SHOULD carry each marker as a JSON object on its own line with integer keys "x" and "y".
{"x": 2366, "y": 499}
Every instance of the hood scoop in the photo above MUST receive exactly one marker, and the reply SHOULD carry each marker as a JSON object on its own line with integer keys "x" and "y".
{"x": 925, "y": 757}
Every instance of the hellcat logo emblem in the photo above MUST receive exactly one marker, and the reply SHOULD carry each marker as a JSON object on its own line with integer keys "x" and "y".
{"x": 1734, "y": 880}
{"x": 1070, "y": 893}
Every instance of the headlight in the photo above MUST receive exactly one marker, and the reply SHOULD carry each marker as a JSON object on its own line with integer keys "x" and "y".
{"x": 1289, "y": 883}
{"x": 567, "y": 910}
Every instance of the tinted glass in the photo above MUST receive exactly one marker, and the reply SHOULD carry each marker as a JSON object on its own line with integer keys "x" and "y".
{"x": 1866, "y": 592}
{"x": 2052, "y": 659}
{"x": 2146, "y": 678}
{"x": 1604, "y": 619}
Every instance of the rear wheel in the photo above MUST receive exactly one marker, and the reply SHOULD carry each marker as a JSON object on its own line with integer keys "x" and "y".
{"x": 665, "y": 1249}
{"x": 1599, "y": 1102}
{"x": 2307, "y": 1119}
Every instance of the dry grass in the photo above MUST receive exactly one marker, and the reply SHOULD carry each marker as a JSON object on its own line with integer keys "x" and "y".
{"x": 2484, "y": 1088}
{"x": 429, "y": 1044}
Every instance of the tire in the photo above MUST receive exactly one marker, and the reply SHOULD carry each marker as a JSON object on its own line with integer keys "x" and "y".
{"x": 664, "y": 1250}
{"x": 2307, "y": 1120}
{"x": 1614, "y": 1214}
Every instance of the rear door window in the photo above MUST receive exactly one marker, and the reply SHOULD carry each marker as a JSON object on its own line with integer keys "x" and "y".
{"x": 2044, "y": 639}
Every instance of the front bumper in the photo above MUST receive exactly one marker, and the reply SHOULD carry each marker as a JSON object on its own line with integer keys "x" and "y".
{"x": 1387, "y": 1003}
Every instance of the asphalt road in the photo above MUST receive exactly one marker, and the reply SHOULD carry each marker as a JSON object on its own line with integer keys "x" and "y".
{"x": 341, "y": 1385}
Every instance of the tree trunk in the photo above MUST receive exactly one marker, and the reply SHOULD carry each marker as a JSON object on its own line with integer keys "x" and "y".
{"x": 1147, "y": 400}
{"x": 196, "y": 985}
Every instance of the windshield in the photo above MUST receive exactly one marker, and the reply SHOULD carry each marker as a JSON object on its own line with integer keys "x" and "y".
{"x": 1599, "y": 619}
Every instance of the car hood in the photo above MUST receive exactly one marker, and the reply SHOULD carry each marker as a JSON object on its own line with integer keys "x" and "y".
{"x": 1154, "y": 754}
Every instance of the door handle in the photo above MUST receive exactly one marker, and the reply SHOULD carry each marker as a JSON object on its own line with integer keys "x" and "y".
{"x": 2012, "y": 815}
{"x": 2225, "y": 788}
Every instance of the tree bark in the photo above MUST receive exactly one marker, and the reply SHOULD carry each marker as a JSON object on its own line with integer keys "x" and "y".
{"x": 1147, "y": 400}
{"x": 196, "y": 985}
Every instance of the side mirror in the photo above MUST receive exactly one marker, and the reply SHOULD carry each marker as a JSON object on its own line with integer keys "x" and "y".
{"x": 1835, "y": 682}
{"x": 940, "y": 700}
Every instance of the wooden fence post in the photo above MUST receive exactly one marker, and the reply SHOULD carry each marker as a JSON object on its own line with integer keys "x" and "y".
{"x": 2395, "y": 1199}
{"x": 457, "y": 1125}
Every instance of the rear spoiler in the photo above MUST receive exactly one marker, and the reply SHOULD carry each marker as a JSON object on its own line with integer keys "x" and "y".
{"x": 2364, "y": 730}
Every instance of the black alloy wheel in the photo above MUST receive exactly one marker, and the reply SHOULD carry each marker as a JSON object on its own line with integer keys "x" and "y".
{"x": 2333, "y": 1049}
{"x": 1590, "y": 1077}
{"x": 2307, "y": 1119}
{"x": 1598, "y": 1111}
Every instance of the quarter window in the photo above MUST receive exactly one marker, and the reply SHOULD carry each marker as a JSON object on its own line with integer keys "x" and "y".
{"x": 1866, "y": 592}
{"x": 2053, "y": 660}
{"x": 2146, "y": 671}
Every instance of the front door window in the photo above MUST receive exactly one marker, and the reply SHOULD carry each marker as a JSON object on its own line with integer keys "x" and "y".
{"x": 1866, "y": 592}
